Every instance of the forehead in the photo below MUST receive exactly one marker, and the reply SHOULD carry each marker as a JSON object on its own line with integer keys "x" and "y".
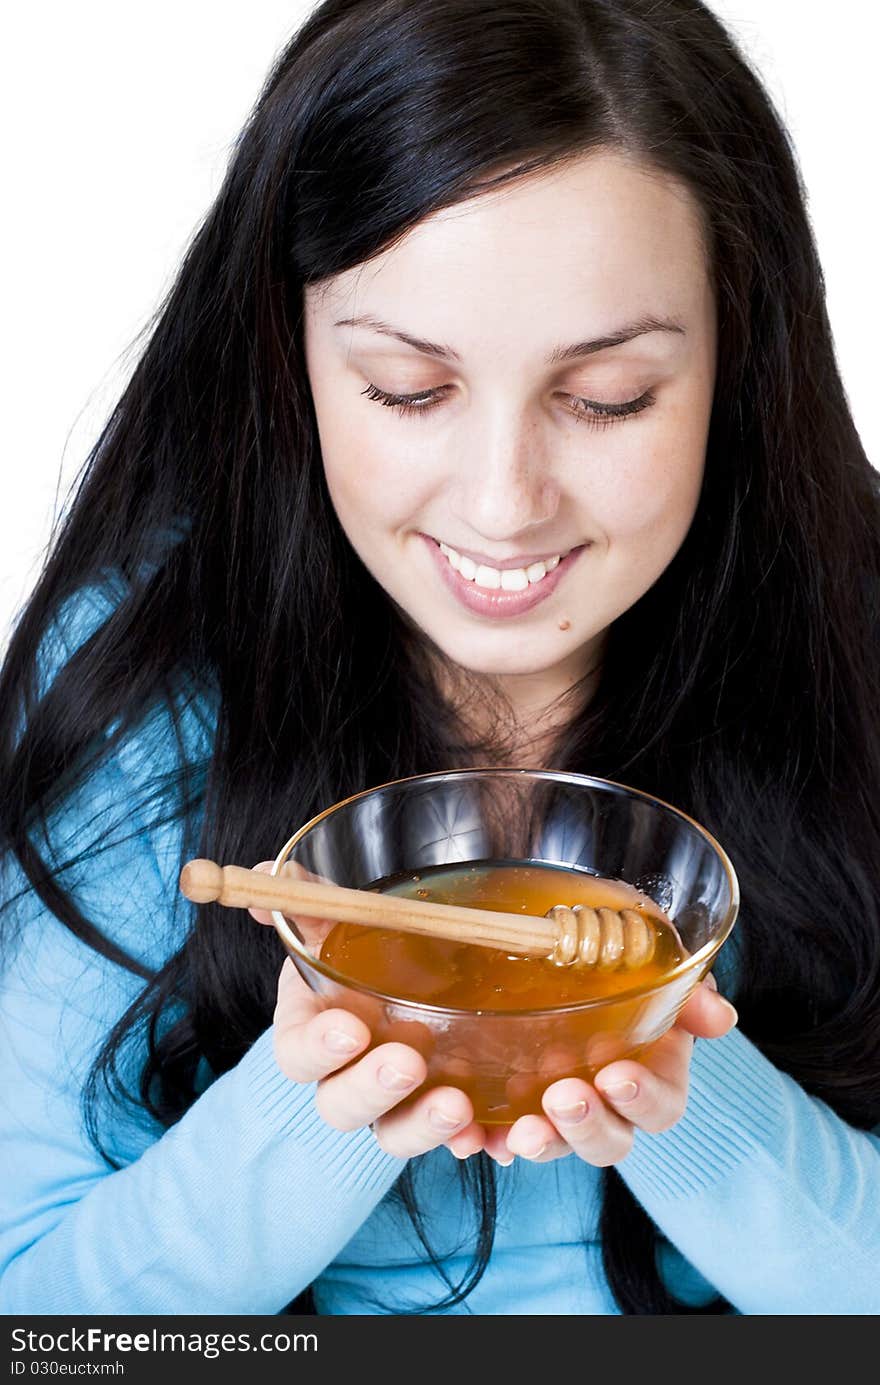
{"x": 603, "y": 235}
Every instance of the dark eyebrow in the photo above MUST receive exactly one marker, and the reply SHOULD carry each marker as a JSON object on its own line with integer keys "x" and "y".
{"x": 635, "y": 329}
{"x": 561, "y": 353}
{"x": 375, "y": 324}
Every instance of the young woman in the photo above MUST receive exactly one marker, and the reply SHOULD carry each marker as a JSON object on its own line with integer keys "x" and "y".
{"x": 493, "y": 418}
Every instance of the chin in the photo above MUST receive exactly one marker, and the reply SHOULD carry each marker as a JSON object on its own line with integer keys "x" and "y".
{"x": 506, "y": 663}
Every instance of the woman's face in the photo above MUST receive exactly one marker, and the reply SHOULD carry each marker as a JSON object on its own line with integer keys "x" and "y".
{"x": 513, "y": 405}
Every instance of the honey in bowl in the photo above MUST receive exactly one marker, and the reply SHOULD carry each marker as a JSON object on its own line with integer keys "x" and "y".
{"x": 463, "y": 976}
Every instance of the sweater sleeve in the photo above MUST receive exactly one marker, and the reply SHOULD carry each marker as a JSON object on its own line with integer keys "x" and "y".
{"x": 765, "y": 1191}
{"x": 235, "y": 1208}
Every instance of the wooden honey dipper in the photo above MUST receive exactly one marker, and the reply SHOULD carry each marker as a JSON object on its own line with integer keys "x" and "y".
{"x": 603, "y": 938}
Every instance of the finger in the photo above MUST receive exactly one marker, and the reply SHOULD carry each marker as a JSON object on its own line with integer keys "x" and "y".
{"x": 707, "y": 1014}
{"x": 295, "y": 1001}
{"x": 592, "y": 1130}
{"x": 425, "y": 1121}
{"x": 311, "y": 1042}
{"x": 537, "y": 1139}
{"x": 262, "y": 915}
{"x": 496, "y": 1144}
{"x": 365, "y": 1090}
{"x": 652, "y": 1094}
{"x": 312, "y": 931}
{"x": 468, "y": 1141}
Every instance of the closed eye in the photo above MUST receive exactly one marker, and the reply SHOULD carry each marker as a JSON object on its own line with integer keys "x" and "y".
{"x": 408, "y": 403}
{"x": 592, "y": 411}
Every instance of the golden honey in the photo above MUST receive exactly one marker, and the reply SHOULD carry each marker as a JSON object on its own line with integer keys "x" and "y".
{"x": 462, "y": 976}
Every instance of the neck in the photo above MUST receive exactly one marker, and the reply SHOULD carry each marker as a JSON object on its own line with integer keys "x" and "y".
{"x": 516, "y": 719}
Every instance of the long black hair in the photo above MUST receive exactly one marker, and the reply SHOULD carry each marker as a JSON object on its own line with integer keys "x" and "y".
{"x": 754, "y": 707}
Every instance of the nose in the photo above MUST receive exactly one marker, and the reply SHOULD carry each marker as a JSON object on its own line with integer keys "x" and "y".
{"x": 506, "y": 485}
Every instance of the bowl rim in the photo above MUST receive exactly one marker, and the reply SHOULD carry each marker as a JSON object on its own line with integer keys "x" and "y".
{"x": 693, "y": 962}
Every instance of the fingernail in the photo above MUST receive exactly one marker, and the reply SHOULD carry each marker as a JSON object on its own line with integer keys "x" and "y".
{"x": 620, "y": 1092}
{"x": 464, "y": 1151}
{"x": 438, "y": 1120}
{"x": 337, "y": 1042}
{"x": 505, "y": 1163}
{"x": 569, "y": 1115}
{"x": 727, "y": 1005}
{"x": 710, "y": 981}
{"x": 394, "y": 1081}
{"x": 533, "y": 1153}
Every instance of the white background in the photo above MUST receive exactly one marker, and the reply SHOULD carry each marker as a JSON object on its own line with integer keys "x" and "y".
{"x": 118, "y": 121}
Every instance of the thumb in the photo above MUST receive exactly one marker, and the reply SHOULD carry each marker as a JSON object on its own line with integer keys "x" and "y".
{"x": 312, "y": 931}
{"x": 262, "y": 915}
{"x": 706, "y": 1014}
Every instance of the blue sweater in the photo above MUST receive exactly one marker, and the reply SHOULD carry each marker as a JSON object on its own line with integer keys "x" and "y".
{"x": 761, "y": 1192}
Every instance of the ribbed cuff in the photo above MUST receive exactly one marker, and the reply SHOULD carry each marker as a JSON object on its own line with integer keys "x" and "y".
{"x": 286, "y": 1109}
{"x": 734, "y": 1110}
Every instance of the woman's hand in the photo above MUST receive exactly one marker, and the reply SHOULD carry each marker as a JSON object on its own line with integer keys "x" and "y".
{"x": 314, "y": 1044}
{"x": 317, "y": 1045}
{"x": 597, "y": 1121}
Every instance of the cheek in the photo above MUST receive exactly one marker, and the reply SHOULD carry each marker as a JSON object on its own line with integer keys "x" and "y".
{"x": 373, "y": 459}
{"x": 650, "y": 487}
{"x": 374, "y": 478}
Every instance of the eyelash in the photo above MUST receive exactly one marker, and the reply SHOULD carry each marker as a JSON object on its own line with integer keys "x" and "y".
{"x": 585, "y": 411}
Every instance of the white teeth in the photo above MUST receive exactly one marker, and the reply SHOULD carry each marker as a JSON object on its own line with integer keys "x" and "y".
{"x": 467, "y": 568}
{"x": 512, "y": 579}
{"x": 487, "y": 577}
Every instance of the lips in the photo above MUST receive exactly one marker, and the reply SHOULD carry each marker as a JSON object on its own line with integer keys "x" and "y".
{"x": 498, "y": 602}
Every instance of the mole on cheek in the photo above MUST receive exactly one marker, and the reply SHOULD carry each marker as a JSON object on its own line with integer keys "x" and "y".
{"x": 565, "y": 624}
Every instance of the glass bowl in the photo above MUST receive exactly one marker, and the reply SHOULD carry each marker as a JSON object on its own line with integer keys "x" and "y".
{"x": 504, "y": 1059}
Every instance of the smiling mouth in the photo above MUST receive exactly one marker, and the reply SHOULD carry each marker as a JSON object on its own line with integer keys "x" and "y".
{"x": 511, "y": 579}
